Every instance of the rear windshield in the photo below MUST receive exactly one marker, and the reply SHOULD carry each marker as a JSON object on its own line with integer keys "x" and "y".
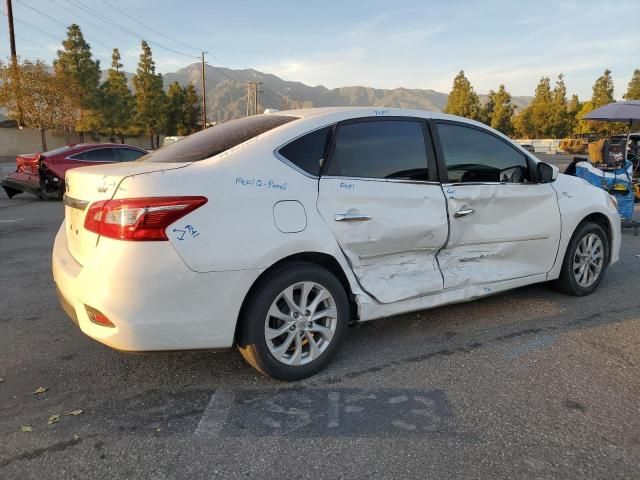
{"x": 216, "y": 140}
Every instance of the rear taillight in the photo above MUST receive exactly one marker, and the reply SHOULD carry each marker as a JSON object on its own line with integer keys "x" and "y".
{"x": 138, "y": 218}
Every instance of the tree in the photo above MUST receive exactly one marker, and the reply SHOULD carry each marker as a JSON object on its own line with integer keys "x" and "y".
{"x": 560, "y": 122}
{"x": 633, "y": 91}
{"x": 150, "y": 96}
{"x": 192, "y": 111}
{"x": 76, "y": 68}
{"x": 603, "y": 90}
{"x": 43, "y": 100}
{"x": 462, "y": 100}
{"x": 500, "y": 110}
{"x": 602, "y": 95}
{"x": 175, "y": 109}
{"x": 116, "y": 101}
{"x": 574, "y": 107}
{"x": 541, "y": 108}
{"x": 523, "y": 124}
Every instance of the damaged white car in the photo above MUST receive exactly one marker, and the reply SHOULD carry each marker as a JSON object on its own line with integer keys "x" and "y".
{"x": 274, "y": 232}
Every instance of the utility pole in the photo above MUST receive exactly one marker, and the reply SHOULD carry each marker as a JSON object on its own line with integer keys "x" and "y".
{"x": 253, "y": 89}
{"x": 204, "y": 94}
{"x": 14, "y": 59}
{"x": 12, "y": 37}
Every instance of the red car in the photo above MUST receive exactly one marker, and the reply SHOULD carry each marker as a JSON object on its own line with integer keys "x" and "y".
{"x": 43, "y": 173}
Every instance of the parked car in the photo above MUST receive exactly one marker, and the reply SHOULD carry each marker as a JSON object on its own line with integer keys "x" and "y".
{"x": 42, "y": 174}
{"x": 273, "y": 232}
{"x": 528, "y": 147}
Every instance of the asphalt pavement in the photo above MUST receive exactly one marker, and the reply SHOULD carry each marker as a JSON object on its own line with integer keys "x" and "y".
{"x": 525, "y": 384}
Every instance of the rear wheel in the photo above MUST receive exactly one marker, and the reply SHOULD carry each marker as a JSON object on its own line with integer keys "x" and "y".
{"x": 585, "y": 261}
{"x": 295, "y": 322}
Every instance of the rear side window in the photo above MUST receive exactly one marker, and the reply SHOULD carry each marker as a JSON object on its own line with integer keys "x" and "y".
{"x": 97, "y": 155}
{"x": 390, "y": 149}
{"x": 307, "y": 151}
{"x": 215, "y": 140}
{"x": 129, "y": 154}
{"x": 472, "y": 155}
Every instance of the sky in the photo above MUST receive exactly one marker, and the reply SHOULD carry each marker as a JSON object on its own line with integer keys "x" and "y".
{"x": 376, "y": 43}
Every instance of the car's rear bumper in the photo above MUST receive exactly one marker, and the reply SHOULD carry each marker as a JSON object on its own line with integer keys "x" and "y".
{"x": 152, "y": 298}
{"x": 24, "y": 182}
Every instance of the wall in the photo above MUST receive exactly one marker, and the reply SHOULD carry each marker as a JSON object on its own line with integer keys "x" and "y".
{"x": 543, "y": 145}
{"x": 14, "y": 141}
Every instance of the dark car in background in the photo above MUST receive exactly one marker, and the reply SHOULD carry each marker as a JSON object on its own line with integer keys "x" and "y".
{"x": 42, "y": 174}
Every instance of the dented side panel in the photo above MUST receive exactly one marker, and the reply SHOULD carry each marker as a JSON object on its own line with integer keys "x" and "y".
{"x": 392, "y": 247}
{"x": 513, "y": 231}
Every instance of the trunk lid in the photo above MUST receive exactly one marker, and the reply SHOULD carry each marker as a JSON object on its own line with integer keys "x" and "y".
{"x": 28, "y": 163}
{"x": 87, "y": 185}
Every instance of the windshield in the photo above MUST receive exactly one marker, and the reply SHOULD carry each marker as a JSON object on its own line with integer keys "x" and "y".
{"x": 215, "y": 140}
{"x": 57, "y": 150}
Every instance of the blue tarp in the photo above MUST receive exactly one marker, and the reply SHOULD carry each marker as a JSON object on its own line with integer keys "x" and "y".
{"x": 607, "y": 179}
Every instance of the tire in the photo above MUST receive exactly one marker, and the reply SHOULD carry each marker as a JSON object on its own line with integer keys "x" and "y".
{"x": 288, "y": 354}
{"x": 584, "y": 280}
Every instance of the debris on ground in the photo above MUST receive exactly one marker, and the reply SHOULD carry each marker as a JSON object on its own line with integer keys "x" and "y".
{"x": 53, "y": 419}
{"x": 39, "y": 390}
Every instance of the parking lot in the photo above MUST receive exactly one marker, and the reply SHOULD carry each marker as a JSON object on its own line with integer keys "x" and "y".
{"x": 525, "y": 384}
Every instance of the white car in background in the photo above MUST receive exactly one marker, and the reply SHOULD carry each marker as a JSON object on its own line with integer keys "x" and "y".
{"x": 273, "y": 232}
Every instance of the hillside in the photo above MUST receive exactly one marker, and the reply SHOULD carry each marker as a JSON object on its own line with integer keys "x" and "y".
{"x": 226, "y": 93}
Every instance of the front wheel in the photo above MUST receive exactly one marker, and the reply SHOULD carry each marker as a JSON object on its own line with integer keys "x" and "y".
{"x": 585, "y": 261}
{"x": 295, "y": 322}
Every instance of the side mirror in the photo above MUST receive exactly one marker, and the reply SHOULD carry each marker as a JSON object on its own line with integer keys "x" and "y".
{"x": 546, "y": 173}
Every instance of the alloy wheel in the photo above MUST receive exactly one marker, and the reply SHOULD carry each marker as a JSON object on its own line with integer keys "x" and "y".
{"x": 300, "y": 323}
{"x": 588, "y": 260}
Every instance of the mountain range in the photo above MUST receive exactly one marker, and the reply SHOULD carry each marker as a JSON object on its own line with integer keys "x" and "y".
{"x": 226, "y": 93}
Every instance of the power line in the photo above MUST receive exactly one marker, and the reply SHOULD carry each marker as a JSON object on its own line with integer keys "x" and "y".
{"x": 149, "y": 27}
{"x": 93, "y": 25}
{"x": 98, "y": 15}
{"x": 55, "y": 20}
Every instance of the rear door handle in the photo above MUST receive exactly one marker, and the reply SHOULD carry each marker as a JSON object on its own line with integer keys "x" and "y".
{"x": 351, "y": 217}
{"x": 463, "y": 212}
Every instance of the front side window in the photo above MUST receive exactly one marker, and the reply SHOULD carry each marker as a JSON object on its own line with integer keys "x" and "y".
{"x": 472, "y": 155}
{"x": 389, "y": 149}
{"x": 215, "y": 140}
{"x": 97, "y": 155}
{"x": 307, "y": 151}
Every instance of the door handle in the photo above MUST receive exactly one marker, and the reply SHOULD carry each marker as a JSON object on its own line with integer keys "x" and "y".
{"x": 351, "y": 217}
{"x": 463, "y": 212}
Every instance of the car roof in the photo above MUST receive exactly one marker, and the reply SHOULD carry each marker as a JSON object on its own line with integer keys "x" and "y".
{"x": 344, "y": 113}
{"x": 327, "y": 115}
{"x": 102, "y": 145}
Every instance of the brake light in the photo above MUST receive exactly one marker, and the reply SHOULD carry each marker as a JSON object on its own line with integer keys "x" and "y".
{"x": 138, "y": 218}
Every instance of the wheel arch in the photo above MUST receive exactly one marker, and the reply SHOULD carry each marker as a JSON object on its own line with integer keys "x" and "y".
{"x": 323, "y": 260}
{"x": 602, "y": 220}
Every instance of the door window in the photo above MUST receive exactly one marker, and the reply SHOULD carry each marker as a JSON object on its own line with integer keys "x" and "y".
{"x": 128, "y": 154}
{"x": 472, "y": 155}
{"x": 97, "y": 155}
{"x": 307, "y": 151}
{"x": 389, "y": 149}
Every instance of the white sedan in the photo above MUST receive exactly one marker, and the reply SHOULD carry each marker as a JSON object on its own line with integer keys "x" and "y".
{"x": 274, "y": 232}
